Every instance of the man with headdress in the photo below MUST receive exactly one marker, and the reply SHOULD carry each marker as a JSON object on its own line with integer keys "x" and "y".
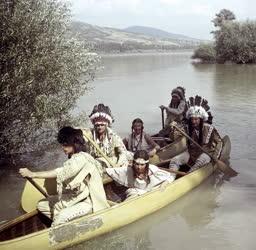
{"x": 174, "y": 112}
{"x": 199, "y": 128}
{"x": 107, "y": 141}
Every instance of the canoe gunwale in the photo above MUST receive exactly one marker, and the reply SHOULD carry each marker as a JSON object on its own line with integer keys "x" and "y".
{"x": 160, "y": 197}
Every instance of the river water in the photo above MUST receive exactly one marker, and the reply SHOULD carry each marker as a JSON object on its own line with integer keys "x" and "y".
{"x": 220, "y": 213}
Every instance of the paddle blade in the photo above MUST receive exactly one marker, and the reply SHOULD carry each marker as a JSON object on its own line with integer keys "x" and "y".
{"x": 226, "y": 169}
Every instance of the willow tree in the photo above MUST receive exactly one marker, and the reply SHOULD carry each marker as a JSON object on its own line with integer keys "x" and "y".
{"x": 43, "y": 71}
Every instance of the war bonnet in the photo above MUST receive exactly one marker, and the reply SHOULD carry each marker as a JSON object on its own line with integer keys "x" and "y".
{"x": 101, "y": 114}
{"x": 198, "y": 107}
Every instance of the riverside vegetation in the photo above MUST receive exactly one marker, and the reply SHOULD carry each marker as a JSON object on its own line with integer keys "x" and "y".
{"x": 40, "y": 72}
{"x": 234, "y": 41}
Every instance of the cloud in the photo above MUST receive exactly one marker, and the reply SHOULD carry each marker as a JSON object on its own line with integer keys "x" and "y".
{"x": 197, "y": 9}
{"x": 107, "y": 5}
{"x": 170, "y": 2}
{"x": 179, "y": 16}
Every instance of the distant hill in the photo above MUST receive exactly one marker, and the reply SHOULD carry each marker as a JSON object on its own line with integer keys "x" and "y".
{"x": 158, "y": 33}
{"x": 109, "y": 40}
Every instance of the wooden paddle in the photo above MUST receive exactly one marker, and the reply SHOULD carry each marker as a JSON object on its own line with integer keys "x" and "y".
{"x": 162, "y": 163}
{"x": 98, "y": 149}
{"x": 220, "y": 164}
{"x": 173, "y": 171}
{"x": 155, "y": 138}
{"x": 162, "y": 113}
{"x": 37, "y": 187}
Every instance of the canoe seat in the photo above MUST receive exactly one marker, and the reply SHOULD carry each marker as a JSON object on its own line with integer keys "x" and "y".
{"x": 23, "y": 225}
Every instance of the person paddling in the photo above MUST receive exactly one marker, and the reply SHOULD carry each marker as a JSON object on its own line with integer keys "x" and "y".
{"x": 174, "y": 112}
{"x": 200, "y": 129}
{"x": 79, "y": 183}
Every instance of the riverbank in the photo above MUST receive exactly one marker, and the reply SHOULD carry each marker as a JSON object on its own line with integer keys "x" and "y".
{"x": 145, "y": 52}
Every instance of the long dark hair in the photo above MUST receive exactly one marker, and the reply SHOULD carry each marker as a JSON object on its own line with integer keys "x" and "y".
{"x": 144, "y": 155}
{"x": 190, "y": 130}
{"x": 137, "y": 120}
{"x": 69, "y": 136}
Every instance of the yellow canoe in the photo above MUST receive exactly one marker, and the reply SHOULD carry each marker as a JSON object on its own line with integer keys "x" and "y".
{"x": 173, "y": 149}
{"x": 33, "y": 231}
{"x": 30, "y": 198}
{"x": 169, "y": 151}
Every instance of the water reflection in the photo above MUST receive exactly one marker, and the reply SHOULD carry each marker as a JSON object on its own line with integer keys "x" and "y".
{"x": 207, "y": 218}
{"x": 12, "y": 183}
{"x": 192, "y": 212}
{"x": 139, "y": 64}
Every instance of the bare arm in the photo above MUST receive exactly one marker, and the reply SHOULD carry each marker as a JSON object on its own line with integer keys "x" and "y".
{"x": 125, "y": 141}
{"x": 151, "y": 142}
{"x": 40, "y": 175}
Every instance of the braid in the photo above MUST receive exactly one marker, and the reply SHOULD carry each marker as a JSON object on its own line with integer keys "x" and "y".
{"x": 190, "y": 131}
{"x": 141, "y": 135}
{"x": 201, "y": 132}
{"x": 135, "y": 147}
{"x": 132, "y": 139}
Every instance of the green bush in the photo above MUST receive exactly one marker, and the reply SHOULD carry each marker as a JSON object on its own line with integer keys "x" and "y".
{"x": 205, "y": 52}
{"x": 43, "y": 72}
{"x": 234, "y": 41}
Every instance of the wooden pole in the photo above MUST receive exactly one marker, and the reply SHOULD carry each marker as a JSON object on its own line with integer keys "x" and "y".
{"x": 162, "y": 113}
{"x": 221, "y": 165}
{"x": 38, "y": 187}
{"x": 99, "y": 150}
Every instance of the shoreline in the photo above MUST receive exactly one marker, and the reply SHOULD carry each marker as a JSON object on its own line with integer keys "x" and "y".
{"x": 145, "y": 52}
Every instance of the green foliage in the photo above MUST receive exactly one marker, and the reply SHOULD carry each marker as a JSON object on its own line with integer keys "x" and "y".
{"x": 205, "y": 52}
{"x": 234, "y": 41}
{"x": 43, "y": 72}
{"x": 223, "y": 16}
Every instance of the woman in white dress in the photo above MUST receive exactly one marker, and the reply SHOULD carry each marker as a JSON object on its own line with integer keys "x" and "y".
{"x": 141, "y": 177}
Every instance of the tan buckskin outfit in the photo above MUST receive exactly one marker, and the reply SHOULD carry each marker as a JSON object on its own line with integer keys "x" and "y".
{"x": 80, "y": 190}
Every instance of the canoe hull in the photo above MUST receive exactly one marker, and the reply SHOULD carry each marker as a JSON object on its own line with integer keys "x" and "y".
{"x": 30, "y": 198}
{"x": 173, "y": 149}
{"x": 104, "y": 221}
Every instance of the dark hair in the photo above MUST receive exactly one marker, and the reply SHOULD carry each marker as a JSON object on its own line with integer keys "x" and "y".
{"x": 72, "y": 137}
{"x": 180, "y": 91}
{"x": 135, "y": 147}
{"x": 137, "y": 120}
{"x": 183, "y": 91}
{"x": 141, "y": 154}
{"x": 190, "y": 130}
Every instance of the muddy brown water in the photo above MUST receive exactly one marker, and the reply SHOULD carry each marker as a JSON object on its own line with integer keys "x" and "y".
{"x": 219, "y": 214}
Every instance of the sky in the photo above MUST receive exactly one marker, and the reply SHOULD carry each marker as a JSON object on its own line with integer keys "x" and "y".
{"x": 190, "y": 18}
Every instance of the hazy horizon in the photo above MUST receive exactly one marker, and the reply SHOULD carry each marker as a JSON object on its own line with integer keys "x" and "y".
{"x": 191, "y": 19}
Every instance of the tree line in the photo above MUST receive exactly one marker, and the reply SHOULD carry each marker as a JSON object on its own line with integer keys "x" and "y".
{"x": 234, "y": 41}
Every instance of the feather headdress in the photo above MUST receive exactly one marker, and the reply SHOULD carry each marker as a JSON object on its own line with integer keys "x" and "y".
{"x": 101, "y": 114}
{"x": 198, "y": 107}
